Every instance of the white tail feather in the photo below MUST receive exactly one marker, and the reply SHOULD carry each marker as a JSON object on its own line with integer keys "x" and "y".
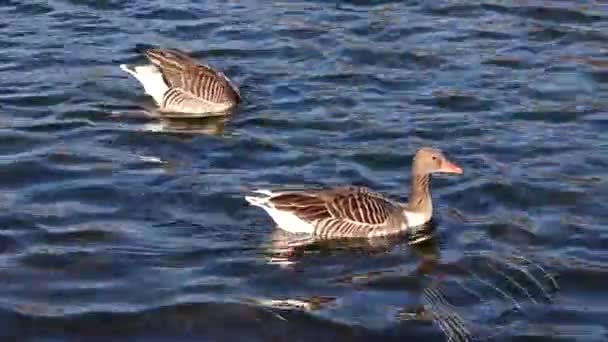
{"x": 150, "y": 78}
{"x": 284, "y": 220}
{"x": 264, "y": 192}
{"x": 127, "y": 70}
{"x": 257, "y": 201}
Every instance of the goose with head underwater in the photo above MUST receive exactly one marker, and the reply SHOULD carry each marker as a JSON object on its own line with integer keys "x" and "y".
{"x": 180, "y": 84}
{"x": 356, "y": 212}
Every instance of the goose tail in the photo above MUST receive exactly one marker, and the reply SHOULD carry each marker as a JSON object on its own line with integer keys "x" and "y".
{"x": 150, "y": 78}
{"x": 128, "y": 69}
{"x": 261, "y": 199}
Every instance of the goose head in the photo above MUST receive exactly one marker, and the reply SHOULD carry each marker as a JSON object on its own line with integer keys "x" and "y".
{"x": 429, "y": 160}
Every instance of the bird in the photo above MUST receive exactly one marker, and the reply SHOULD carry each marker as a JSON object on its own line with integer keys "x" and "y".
{"x": 180, "y": 84}
{"x": 356, "y": 211}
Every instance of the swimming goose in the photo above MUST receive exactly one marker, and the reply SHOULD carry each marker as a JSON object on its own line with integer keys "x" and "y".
{"x": 180, "y": 84}
{"x": 356, "y": 212}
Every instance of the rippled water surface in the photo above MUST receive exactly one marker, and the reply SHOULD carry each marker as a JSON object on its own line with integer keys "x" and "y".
{"x": 117, "y": 225}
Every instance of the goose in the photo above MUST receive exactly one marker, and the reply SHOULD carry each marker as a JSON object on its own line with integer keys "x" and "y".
{"x": 180, "y": 84}
{"x": 355, "y": 211}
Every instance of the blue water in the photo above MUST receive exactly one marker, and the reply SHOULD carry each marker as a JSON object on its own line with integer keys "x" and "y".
{"x": 119, "y": 225}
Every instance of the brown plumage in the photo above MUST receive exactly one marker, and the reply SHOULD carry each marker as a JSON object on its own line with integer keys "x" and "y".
{"x": 341, "y": 212}
{"x": 180, "y": 84}
{"x": 356, "y": 211}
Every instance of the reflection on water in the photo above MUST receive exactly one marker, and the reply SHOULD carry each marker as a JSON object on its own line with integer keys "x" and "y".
{"x": 133, "y": 227}
{"x": 286, "y": 248}
{"x": 469, "y": 299}
{"x": 206, "y": 125}
{"x": 150, "y": 120}
{"x": 478, "y": 296}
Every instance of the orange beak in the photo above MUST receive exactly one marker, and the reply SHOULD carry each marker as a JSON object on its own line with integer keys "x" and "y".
{"x": 449, "y": 167}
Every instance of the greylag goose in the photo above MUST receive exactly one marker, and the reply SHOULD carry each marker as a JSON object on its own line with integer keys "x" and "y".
{"x": 356, "y": 212}
{"x": 180, "y": 84}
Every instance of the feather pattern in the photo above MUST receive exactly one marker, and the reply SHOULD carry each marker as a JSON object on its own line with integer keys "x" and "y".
{"x": 340, "y": 212}
{"x": 190, "y": 87}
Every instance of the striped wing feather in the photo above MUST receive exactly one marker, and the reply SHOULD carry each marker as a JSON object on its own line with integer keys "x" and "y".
{"x": 172, "y": 64}
{"x": 206, "y": 84}
{"x": 357, "y": 205}
{"x": 181, "y": 71}
{"x": 177, "y": 100}
{"x": 307, "y": 206}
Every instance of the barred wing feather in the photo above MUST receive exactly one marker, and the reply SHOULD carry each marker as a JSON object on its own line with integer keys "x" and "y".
{"x": 342, "y": 212}
{"x": 199, "y": 80}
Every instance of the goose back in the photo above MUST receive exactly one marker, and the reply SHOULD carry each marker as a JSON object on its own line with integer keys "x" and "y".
{"x": 181, "y": 71}
{"x": 343, "y": 212}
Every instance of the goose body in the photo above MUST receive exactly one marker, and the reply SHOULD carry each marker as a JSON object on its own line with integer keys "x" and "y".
{"x": 336, "y": 213}
{"x": 355, "y": 212}
{"x": 180, "y": 84}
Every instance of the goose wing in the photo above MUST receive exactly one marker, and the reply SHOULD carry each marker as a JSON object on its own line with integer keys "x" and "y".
{"x": 355, "y": 205}
{"x": 182, "y": 71}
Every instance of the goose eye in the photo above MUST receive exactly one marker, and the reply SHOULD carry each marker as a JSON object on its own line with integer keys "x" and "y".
{"x": 434, "y": 158}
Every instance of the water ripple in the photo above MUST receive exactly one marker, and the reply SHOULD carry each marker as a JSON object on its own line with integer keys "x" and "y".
{"x": 120, "y": 224}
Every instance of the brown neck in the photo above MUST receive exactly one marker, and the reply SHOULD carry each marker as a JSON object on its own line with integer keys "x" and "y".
{"x": 420, "y": 195}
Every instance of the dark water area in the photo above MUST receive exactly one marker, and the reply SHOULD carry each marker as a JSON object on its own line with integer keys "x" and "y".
{"x": 120, "y": 226}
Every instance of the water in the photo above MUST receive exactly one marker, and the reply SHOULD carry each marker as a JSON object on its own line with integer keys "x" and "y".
{"x": 116, "y": 225}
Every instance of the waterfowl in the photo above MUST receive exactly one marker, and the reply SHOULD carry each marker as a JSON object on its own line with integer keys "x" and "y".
{"x": 180, "y": 84}
{"x": 356, "y": 212}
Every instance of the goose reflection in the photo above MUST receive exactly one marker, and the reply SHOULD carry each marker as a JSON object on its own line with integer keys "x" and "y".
{"x": 287, "y": 248}
{"x": 149, "y": 120}
{"x": 212, "y": 125}
{"x": 469, "y": 298}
